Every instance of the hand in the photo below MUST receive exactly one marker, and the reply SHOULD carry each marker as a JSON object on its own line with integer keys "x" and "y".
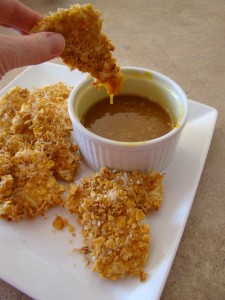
{"x": 25, "y": 49}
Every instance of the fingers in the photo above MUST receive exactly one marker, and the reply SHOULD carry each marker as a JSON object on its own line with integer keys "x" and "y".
{"x": 15, "y": 14}
{"x": 29, "y": 50}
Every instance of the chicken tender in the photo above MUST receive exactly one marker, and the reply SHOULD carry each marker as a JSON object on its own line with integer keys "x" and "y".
{"x": 111, "y": 206}
{"x": 44, "y": 118}
{"x": 28, "y": 188}
{"x": 52, "y": 128}
{"x": 27, "y": 185}
{"x": 87, "y": 48}
{"x": 34, "y": 146}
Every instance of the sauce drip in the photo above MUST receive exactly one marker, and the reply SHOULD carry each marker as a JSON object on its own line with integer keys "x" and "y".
{"x": 130, "y": 118}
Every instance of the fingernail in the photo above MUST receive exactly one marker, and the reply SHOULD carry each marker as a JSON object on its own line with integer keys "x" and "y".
{"x": 56, "y": 42}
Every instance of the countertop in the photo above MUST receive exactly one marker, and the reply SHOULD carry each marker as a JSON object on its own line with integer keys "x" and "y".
{"x": 186, "y": 41}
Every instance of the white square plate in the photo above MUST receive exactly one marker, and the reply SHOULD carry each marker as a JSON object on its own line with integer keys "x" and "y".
{"x": 40, "y": 262}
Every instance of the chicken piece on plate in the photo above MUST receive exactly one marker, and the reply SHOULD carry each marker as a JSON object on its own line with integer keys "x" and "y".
{"x": 111, "y": 206}
{"x": 45, "y": 119}
{"x": 28, "y": 187}
{"x": 52, "y": 128}
{"x": 87, "y": 48}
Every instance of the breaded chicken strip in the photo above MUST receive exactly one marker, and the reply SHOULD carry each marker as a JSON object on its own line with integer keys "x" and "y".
{"x": 10, "y": 104}
{"x": 52, "y": 128}
{"x": 87, "y": 48}
{"x": 111, "y": 206}
{"x": 34, "y": 130}
{"x": 45, "y": 119}
{"x": 28, "y": 188}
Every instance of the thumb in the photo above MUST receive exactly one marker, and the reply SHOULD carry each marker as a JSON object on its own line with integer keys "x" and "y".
{"x": 29, "y": 50}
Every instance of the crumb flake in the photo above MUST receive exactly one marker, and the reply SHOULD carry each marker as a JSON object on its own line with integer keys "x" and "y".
{"x": 59, "y": 223}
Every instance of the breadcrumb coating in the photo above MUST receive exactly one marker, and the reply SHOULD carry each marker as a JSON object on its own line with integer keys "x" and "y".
{"x": 28, "y": 188}
{"x": 11, "y": 144}
{"x": 21, "y": 123}
{"x": 5, "y": 163}
{"x": 35, "y": 148}
{"x": 52, "y": 129}
{"x": 87, "y": 47}
{"x": 45, "y": 118}
{"x": 10, "y": 104}
{"x": 111, "y": 206}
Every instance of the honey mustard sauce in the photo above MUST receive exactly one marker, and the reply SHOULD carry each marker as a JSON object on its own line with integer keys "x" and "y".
{"x": 131, "y": 118}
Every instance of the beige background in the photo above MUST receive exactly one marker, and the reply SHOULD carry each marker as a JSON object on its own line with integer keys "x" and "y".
{"x": 184, "y": 39}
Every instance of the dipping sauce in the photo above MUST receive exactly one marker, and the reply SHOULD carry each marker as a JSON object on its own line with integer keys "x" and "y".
{"x": 130, "y": 118}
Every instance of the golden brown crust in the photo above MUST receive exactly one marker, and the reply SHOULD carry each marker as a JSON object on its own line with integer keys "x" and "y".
{"x": 87, "y": 48}
{"x": 34, "y": 146}
{"x": 44, "y": 118}
{"x": 9, "y": 105}
{"x": 28, "y": 188}
{"x": 111, "y": 206}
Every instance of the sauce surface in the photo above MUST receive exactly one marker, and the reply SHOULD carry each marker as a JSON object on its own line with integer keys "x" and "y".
{"x": 129, "y": 119}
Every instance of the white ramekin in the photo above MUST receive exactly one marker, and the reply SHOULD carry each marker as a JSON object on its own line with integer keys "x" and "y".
{"x": 154, "y": 154}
